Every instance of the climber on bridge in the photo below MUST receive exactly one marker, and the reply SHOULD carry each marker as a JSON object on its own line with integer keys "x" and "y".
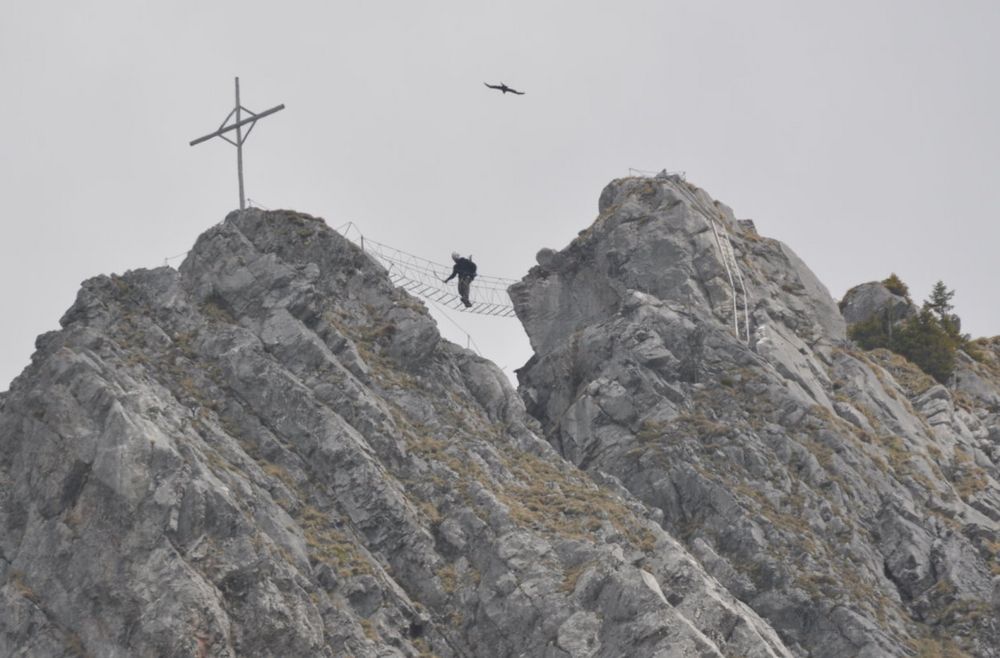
{"x": 465, "y": 270}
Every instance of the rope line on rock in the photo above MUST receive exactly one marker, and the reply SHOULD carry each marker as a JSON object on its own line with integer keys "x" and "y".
{"x": 729, "y": 261}
{"x": 728, "y": 256}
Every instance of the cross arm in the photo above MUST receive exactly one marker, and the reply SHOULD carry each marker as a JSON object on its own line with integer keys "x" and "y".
{"x": 236, "y": 125}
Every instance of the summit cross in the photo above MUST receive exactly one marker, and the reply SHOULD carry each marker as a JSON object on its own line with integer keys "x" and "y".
{"x": 241, "y": 137}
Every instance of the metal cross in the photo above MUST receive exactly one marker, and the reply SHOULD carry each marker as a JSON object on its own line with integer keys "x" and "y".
{"x": 241, "y": 137}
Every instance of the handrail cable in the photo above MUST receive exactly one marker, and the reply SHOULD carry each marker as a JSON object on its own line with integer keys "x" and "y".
{"x": 425, "y": 277}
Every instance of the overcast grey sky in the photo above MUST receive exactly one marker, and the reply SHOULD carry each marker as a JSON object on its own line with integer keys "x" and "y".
{"x": 864, "y": 134}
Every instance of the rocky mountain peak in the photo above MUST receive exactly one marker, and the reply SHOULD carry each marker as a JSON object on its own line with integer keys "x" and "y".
{"x": 844, "y": 495}
{"x": 668, "y": 239}
{"x": 272, "y": 451}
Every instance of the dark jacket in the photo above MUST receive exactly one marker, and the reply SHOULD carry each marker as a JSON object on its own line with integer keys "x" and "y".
{"x": 463, "y": 268}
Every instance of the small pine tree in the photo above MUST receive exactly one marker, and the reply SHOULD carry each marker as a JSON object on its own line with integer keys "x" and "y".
{"x": 940, "y": 304}
{"x": 924, "y": 341}
{"x": 896, "y": 286}
{"x": 940, "y": 301}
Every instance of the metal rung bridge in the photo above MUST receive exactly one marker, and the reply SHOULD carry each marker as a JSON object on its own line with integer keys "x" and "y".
{"x": 424, "y": 277}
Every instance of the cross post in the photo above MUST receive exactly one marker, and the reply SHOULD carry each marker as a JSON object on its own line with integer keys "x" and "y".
{"x": 237, "y": 125}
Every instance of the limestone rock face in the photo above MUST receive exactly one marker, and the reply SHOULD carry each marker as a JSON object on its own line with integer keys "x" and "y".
{"x": 272, "y": 452}
{"x": 843, "y": 495}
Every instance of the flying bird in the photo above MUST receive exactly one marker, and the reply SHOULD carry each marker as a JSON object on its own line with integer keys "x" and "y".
{"x": 504, "y": 88}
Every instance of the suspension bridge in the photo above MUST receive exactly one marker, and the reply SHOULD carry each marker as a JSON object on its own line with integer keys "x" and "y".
{"x": 425, "y": 278}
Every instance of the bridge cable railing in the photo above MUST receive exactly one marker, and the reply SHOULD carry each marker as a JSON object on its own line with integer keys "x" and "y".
{"x": 424, "y": 277}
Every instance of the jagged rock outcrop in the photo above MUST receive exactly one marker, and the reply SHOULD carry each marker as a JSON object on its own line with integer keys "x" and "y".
{"x": 862, "y": 302}
{"x": 844, "y": 495}
{"x": 272, "y": 452}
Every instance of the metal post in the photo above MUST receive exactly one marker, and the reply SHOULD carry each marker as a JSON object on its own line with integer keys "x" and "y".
{"x": 239, "y": 146}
